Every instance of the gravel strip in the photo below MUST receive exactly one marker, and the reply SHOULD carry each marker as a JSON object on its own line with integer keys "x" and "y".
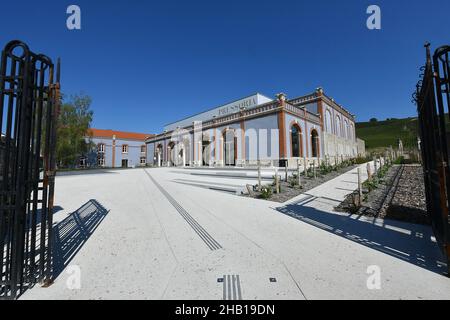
{"x": 408, "y": 203}
{"x": 401, "y": 196}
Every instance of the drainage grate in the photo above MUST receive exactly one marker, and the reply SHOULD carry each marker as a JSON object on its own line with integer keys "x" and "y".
{"x": 231, "y": 287}
{"x": 202, "y": 233}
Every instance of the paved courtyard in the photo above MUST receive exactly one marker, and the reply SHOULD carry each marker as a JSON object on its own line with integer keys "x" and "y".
{"x": 168, "y": 233}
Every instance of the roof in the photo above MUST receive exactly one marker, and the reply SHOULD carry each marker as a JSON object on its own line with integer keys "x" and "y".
{"x": 257, "y": 95}
{"x": 108, "y": 133}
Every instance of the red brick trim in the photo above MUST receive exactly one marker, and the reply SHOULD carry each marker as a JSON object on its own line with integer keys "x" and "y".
{"x": 295, "y": 123}
{"x": 243, "y": 139}
{"x": 317, "y": 142}
{"x": 282, "y": 134}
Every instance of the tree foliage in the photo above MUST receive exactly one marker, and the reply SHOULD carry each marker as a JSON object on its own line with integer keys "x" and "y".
{"x": 74, "y": 121}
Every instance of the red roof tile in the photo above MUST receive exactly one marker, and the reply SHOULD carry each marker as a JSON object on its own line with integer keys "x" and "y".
{"x": 102, "y": 133}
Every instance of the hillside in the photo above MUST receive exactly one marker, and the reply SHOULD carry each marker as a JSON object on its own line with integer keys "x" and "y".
{"x": 386, "y": 133}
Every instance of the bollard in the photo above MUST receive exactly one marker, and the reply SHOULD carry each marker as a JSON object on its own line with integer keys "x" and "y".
{"x": 298, "y": 173}
{"x": 259, "y": 175}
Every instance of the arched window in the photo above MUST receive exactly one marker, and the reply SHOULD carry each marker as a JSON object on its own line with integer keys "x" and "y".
{"x": 338, "y": 126}
{"x": 296, "y": 141}
{"x": 328, "y": 125}
{"x": 314, "y": 143}
{"x": 159, "y": 155}
{"x": 229, "y": 147}
{"x": 170, "y": 153}
{"x": 206, "y": 148}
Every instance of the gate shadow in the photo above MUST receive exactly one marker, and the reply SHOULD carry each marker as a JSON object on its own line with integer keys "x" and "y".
{"x": 409, "y": 242}
{"x": 73, "y": 232}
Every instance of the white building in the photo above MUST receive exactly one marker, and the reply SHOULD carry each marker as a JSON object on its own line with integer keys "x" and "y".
{"x": 257, "y": 128}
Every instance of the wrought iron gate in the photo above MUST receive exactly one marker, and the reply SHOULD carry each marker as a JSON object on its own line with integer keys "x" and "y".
{"x": 29, "y": 102}
{"x": 432, "y": 97}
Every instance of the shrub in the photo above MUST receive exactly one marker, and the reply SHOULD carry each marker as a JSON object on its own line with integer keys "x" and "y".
{"x": 399, "y": 160}
{"x": 371, "y": 184}
{"x": 266, "y": 192}
{"x": 361, "y": 160}
{"x": 325, "y": 168}
{"x": 293, "y": 180}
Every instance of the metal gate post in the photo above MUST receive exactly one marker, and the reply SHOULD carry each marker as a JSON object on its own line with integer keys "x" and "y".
{"x": 29, "y": 104}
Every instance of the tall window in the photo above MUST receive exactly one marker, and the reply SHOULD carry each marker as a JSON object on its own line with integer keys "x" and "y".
{"x": 328, "y": 125}
{"x": 315, "y": 144}
{"x": 101, "y": 161}
{"x": 125, "y": 148}
{"x": 296, "y": 142}
{"x": 101, "y": 147}
{"x": 338, "y": 126}
{"x": 143, "y": 148}
{"x": 229, "y": 146}
{"x": 143, "y": 160}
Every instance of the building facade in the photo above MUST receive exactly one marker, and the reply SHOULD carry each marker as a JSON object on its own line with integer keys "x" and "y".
{"x": 258, "y": 129}
{"x": 115, "y": 149}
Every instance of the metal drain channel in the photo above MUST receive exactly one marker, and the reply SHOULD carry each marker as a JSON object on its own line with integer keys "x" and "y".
{"x": 202, "y": 233}
{"x": 231, "y": 287}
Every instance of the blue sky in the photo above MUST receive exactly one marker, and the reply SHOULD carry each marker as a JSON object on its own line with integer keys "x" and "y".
{"x": 147, "y": 63}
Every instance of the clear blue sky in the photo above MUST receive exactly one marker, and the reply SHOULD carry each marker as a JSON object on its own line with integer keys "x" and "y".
{"x": 147, "y": 63}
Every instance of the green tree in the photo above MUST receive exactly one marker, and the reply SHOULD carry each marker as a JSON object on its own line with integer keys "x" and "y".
{"x": 373, "y": 120}
{"x": 74, "y": 121}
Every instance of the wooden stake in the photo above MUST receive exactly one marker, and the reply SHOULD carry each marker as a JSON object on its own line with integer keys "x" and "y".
{"x": 375, "y": 170}
{"x": 286, "y": 171}
{"x": 277, "y": 182}
{"x": 359, "y": 185}
{"x": 369, "y": 171}
{"x": 259, "y": 175}
{"x": 314, "y": 169}
{"x": 304, "y": 165}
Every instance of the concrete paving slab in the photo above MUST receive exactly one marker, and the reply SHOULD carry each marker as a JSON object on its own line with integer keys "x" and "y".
{"x": 144, "y": 248}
